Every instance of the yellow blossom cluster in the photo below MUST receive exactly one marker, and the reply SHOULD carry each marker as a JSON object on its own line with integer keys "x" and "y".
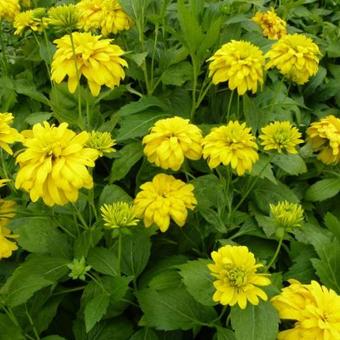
{"x": 237, "y": 279}
{"x": 271, "y": 24}
{"x": 324, "y": 137}
{"x": 314, "y": 308}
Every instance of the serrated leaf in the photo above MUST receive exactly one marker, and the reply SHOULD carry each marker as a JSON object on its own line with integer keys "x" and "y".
{"x": 125, "y": 159}
{"x": 171, "y": 309}
{"x": 135, "y": 252}
{"x": 333, "y": 224}
{"x": 177, "y": 74}
{"x": 255, "y": 322}
{"x": 198, "y": 281}
{"x": 103, "y": 260}
{"x": 225, "y": 334}
{"x": 292, "y": 164}
{"x": 95, "y": 310}
{"x": 322, "y": 190}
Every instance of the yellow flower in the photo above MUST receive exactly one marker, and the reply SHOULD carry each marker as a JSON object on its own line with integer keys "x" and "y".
{"x": 240, "y": 63}
{"x": 32, "y": 19}
{"x": 324, "y": 137}
{"x": 236, "y": 282}
{"x": 280, "y": 136}
{"x": 231, "y": 144}
{"x": 164, "y": 198}
{"x": 271, "y": 24}
{"x": 6, "y": 246}
{"x": 9, "y": 9}
{"x": 107, "y": 15}
{"x": 315, "y": 308}
{"x": 7, "y": 211}
{"x": 98, "y": 61}
{"x": 8, "y": 135}
{"x": 296, "y": 56}
{"x": 54, "y": 164}
{"x": 102, "y": 142}
{"x": 63, "y": 17}
{"x": 172, "y": 140}
{"x": 118, "y": 215}
{"x": 287, "y": 215}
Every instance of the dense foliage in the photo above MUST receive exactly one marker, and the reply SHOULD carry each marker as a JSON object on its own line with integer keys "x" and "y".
{"x": 169, "y": 169}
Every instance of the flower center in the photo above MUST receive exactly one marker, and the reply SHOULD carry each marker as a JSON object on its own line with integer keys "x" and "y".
{"x": 281, "y": 137}
{"x": 236, "y": 277}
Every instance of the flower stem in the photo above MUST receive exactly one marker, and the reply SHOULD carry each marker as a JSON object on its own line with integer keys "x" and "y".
{"x": 277, "y": 251}
{"x": 229, "y": 107}
{"x": 80, "y": 119}
{"x": 80, "y": 216}
{"x": 194, "y": 86}
{"x": 250, "y": 188}
{"x": 119, "y": 253}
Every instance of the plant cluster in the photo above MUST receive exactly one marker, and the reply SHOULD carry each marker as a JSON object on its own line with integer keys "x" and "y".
{"x": 169, "y": 170}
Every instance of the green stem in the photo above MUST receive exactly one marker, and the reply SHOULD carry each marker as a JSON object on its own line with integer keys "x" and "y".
{"x": 119, "y": 253}
{"x": 80, "y": 216}
{"x": 194, "y": 87}
{"x": 5, "y": 172}
{"x": 251, "y": 186}
{"x": 71, "y": 290}
{"x": 80, "y": 118}
{"x": 36, "y": 334}
{"x": 3, "y": 51}
{"x": 277, "y": 251}
{"x": 92, "y": 277}
{"x": 229, "y": 107}
{"x": 153, "y": 60}
{"x": 202, "y": 95}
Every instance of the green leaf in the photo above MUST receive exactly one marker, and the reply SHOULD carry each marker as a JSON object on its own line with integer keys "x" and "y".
{"x": 328, "y": 266}
{"x": 38, "y": 117}
{"x": 95, "y": 310}
{"x": 86, "y": 240}
{"x": 292, "y": 164}
{"x": 37, "y": 272}
{"x": 53, "y": 337}
{"x": 103, "y": 260}
{"x": 41, "y": 235}
{"x": 198, "y": 281}
{"x": 142, "y": 104}
{"x": 9, "y": 331}
{"x": 137, "y": 125}
{"x": 125, "y": 159}
{"x": 135, "y": 252}
{"x": 225, "y": 334}
{"x": 113, "y": 193}
{"x": 144, "y": 334}
{"x": 172, "y": 309}
{"x": 255, "y": 322}
{"x": 177, "y": 74}
{"x": 322, "y": 190}
{"x": 23, "y": 86}
{"x": 333, "y": 224}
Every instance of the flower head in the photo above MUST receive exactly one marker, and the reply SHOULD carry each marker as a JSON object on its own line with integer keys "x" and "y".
{"x": 118, "y": 215}
{"x": 171, "y": 140}
{"x": 6, "y": 245}
{"x": 7, "y": 211}
{"x": 324, "y": 137}
{"x": 78, "y": 269}
{"x": 9, "y": 9}
{"x": 64, "y": 17}
{"x": 231, "y": 144}
{"x": 8, "y": 135}
{"x": 315, "y": 308}
{"x": 296, "y": 56}
{"x": 240, "y": 63}
{"x": 102, "y": 142}
{"x": 54, "y": 164}
{"x": 106, "y": 15}
{"x": 280, "y": 136}
{"x": 32, "y": 19}
{"x": 287, "y": 215}
{"x": 236, "y": 282}
{"x": 163, "y": 199}
{"x": 98, "y": 61}
{"x": 271, "y": 24}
